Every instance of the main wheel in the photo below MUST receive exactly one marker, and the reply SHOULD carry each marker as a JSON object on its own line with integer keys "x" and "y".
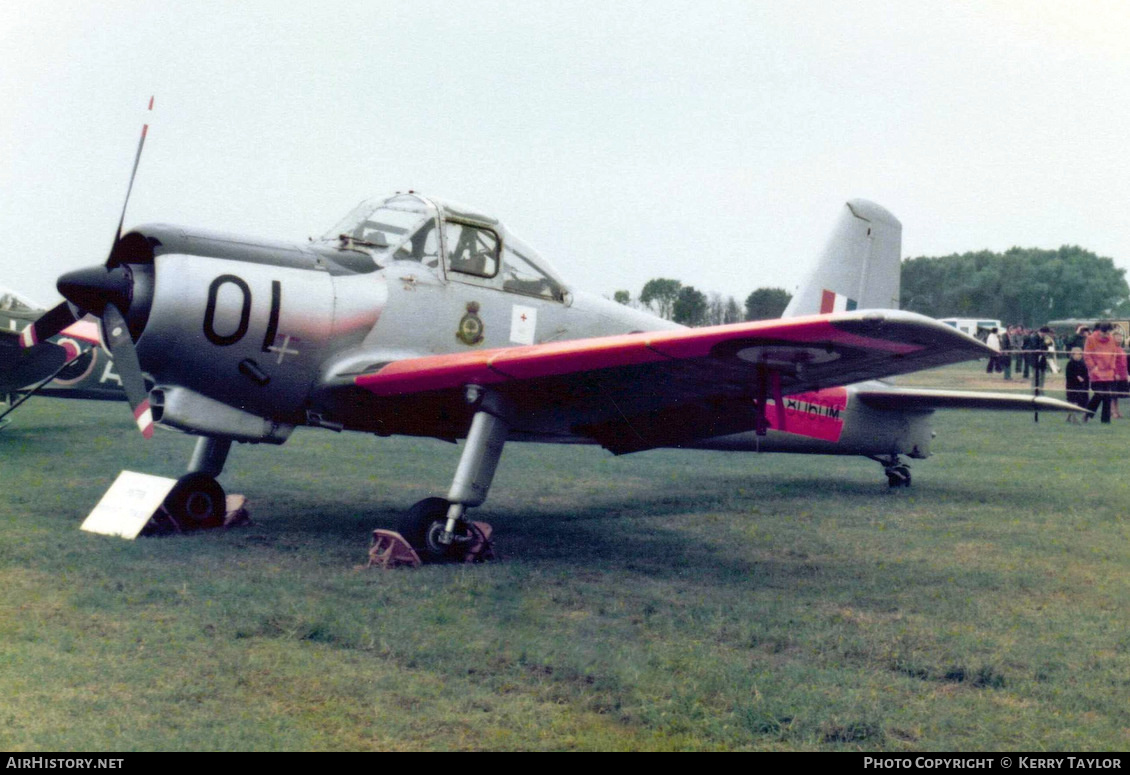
{"x": 424, "y": 523}
{"x": 898, "y": 476}
{"x": 196, "y": 501}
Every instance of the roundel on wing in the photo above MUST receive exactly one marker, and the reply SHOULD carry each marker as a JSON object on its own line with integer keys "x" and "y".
{"x": 79, "y": 367}
{"x": 786, "y": 354}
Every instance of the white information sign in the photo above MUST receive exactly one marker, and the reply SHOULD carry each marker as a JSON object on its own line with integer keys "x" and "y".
{"x": 128, "y": 505}
{"x": 523, "y": 324}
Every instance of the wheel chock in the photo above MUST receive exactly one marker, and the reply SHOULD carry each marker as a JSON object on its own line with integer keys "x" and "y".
{"x": 391, "y": 550}
{"x": 235, "y": 511}
{"x": 235, "y": 515}
{"x": 481, "y": 548}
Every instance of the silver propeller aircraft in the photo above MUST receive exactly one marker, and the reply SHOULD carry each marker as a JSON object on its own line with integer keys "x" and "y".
{"x": 421, "y": 317}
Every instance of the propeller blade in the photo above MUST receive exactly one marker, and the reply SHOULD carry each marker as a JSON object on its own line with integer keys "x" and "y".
{"x": 129, "y": 189}
{"x": 128, "y": 367}
{"x": 48, "y": 325}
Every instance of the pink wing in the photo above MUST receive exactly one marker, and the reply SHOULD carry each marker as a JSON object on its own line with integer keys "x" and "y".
{"x": 639, "y": 391}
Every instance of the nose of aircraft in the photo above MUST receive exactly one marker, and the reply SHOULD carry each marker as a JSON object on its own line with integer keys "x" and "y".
{"x": 92, "y": 288}
{"x": 109, "y": 293}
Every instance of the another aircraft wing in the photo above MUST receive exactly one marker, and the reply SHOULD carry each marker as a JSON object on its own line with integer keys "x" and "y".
{"x": 639, "y": 391}
{"x": 914, "y": 399}
{"x": 22, "y": 368}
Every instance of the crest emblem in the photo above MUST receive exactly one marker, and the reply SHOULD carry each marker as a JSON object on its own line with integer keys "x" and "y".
{"x": 470, "y": 325}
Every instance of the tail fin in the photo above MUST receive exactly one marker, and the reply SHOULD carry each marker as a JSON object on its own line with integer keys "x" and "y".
{"x": 860, "y": 267}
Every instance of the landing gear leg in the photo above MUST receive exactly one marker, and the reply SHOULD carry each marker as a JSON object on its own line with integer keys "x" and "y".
{"x": 197, "y": 500}
{"x": 437, "y": 527}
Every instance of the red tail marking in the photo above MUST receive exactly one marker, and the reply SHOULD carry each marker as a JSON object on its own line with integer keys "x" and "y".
{"x": 827, "y": 302}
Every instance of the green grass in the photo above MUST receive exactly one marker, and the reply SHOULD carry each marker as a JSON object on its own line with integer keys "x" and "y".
{"x": 664, "y": 600}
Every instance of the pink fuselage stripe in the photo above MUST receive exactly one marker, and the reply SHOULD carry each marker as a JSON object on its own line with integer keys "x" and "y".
{"x": 816, "y": 414}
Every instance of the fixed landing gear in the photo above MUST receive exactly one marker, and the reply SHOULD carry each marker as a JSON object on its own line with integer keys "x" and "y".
{"x": 898, "y": 472}
{"x": 423, "y": 527}
{"x": 197, "y": 500}
{"x": 899, "y": 476}
{"x": 437, "y": 528}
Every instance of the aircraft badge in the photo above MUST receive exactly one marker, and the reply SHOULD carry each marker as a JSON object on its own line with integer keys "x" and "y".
{"x": 470, "y": 325}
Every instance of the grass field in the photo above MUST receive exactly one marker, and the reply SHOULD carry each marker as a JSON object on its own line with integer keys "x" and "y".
{"x": 663, "y": 600}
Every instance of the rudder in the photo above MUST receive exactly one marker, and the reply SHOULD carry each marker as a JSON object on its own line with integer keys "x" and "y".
{"x": 860, "y": 266}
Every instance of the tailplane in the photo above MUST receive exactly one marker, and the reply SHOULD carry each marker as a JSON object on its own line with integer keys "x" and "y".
{"x": 860, "y": 266}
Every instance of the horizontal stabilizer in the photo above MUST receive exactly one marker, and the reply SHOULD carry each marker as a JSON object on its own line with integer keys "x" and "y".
{"x": 925, "y": 400}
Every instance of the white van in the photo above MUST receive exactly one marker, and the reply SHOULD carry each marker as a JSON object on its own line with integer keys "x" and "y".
{"x": 973, "y": 326}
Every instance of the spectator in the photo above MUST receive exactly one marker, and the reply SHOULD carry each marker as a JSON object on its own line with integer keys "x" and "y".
{"x": 1018, "y": 349}
{"x": 1100, "y": 354}
{"x": 1033, "y": 343}
{"x": 1005, "y": 359}
{"x": 1121, "y": 378}
{"x": 1078, "y": 339}
{"x": 1042, "y": 356}
{"x": 993, "y": 341}
{"x": 1078, "y": 384}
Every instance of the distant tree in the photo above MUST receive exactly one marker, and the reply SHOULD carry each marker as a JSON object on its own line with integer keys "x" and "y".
{"x": 691, "y": 307}
{"x": 766, "y": 303}
{"x": 622, "y": 297}
{"x": 722, "y": 310}
{"x": 715, "y": 309}
{"x": 659, "y": 294}
{"x": 1029, "y": 286}
{"x": 732, "y": 313}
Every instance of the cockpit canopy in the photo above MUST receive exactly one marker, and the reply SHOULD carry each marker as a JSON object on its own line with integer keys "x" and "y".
{"x": 10, "y": 301}
{"x": 456, "y": 241}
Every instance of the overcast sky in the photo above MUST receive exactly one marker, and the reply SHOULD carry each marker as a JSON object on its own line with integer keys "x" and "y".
{"x": 710, "y": 142}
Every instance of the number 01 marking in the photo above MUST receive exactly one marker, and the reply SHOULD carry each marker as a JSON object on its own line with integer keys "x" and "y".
{"x": 224, "y": 340}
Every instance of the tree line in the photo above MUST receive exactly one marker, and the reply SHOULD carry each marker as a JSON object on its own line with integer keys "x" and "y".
{"x": 686, "y": 304}
{"x": 1026, "y": 286}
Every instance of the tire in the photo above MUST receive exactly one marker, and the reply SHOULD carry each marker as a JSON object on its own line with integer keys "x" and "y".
{"x": 899, "y": 476}
{"x": 424, "y": 523}
{"x": 196, "y": 501}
